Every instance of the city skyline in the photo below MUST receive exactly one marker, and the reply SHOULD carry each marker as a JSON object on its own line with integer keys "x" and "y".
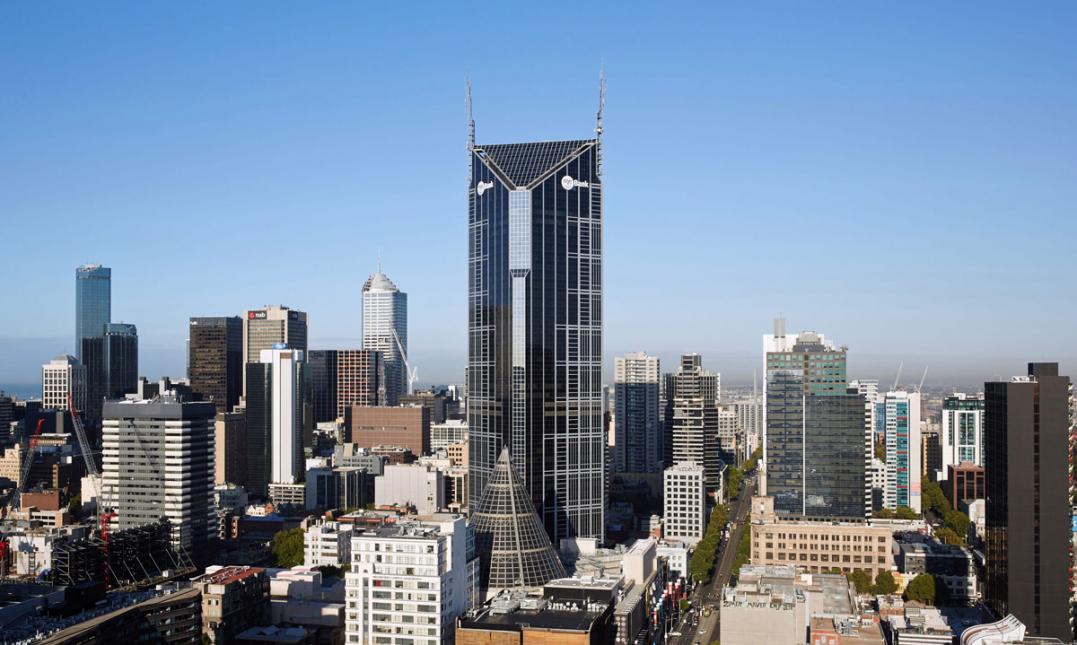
{"x": 915, "y": 179}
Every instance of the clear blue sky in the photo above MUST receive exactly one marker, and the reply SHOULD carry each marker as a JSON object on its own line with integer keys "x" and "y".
{"x": 901, "y": 177}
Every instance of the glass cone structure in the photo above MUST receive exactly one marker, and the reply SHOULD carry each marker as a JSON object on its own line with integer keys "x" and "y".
{"x": 514, "y": 549}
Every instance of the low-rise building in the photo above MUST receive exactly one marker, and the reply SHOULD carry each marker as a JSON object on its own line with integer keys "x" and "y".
{"x": 569, "y": 612}
{"x": 418, "y": 485}
{"x": 818, "y": 546}
{"x": 304, "y": 597}
{"x": 951, "y": 565}
{"x": 328, "y": 543}
{"x": 919, "y": 626}
{"x": 233, "y": 599}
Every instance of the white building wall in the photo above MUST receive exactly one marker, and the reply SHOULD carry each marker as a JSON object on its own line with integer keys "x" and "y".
{"x": 684, "y": 503}
{"x": 416, "y": 484}
{"x": 287, "y": 442}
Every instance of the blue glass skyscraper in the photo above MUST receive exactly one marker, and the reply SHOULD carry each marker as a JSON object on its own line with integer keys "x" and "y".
{"x": 93, "y": 304}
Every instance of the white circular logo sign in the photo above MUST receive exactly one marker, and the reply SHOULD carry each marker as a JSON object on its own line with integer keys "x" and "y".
{"x": 483, "y": 186}
{"x": 567, "y": 182}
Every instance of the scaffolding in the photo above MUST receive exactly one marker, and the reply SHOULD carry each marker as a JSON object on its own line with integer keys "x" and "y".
{"x": 130, "y": 558}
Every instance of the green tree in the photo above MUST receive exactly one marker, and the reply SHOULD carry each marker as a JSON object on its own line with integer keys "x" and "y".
{"x": 948, "y": 536}
{"x": 957, "y": 522}
{"x": 880, "y": 452}
{"x": 287, "y": 547}
{"x": 861, "y": 580}
{"x": 74, "y": 504}
{"x": 884, "y": 584}
{"x": 906, "y": 513}
{"x": 921, "y": 589}
{"x": 883, "y": 514}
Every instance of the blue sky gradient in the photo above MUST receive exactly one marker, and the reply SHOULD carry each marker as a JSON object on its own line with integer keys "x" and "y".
{"x": 900, "y": 177}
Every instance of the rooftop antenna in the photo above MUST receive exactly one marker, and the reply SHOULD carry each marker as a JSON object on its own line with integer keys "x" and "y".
{"x": 470, "y": 119}
{"x": 598, "y": 115}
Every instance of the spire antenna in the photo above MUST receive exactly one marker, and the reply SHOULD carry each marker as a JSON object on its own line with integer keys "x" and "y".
{"x": 601, "y": 99}
{"x": 470, "y": 119}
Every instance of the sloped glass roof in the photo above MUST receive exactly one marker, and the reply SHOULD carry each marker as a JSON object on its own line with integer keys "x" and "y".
{"x": 523, "y": 163}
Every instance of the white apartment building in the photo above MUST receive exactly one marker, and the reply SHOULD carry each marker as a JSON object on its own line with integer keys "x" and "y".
{"x": 59, "y": 376}
{"x": 328, "y": 543}
{"x": 419, "y": 485}
{"x": 409, "y": 581}
{"x": 684, "y": 503}
{"x": 962, "y": 431}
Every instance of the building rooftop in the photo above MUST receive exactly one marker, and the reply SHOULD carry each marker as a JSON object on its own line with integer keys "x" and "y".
{"x": 217, "y": 575}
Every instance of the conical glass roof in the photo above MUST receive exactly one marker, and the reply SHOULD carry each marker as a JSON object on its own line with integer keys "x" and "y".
{"x": 514, "y": 550}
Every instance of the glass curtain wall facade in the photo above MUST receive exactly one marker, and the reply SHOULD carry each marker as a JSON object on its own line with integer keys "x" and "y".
{"x": 93, "y": 303}
{"x": 323, "y": 382}
{"x": 121, "y": 360}
{"x": 818, "y": 437}
{"x": 215, "y": 359}
{"x": 535, "y": 327}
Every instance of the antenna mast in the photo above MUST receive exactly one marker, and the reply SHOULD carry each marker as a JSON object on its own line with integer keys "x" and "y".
{"x": 598, "y": 115}
{"x": 470, "y": 132}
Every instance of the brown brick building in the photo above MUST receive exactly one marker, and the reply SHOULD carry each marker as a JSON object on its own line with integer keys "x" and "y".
{"x": 404, "y": 426}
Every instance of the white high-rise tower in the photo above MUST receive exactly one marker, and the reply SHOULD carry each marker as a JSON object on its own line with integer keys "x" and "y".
{"x": 385, "y": 329}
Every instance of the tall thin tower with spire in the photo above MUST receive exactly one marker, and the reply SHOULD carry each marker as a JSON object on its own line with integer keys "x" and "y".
{"x": 535, "y": 325}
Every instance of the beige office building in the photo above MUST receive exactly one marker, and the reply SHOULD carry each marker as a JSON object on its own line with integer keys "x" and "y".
{"x": 263, "y": 328}
{"x": 818, "y": 547}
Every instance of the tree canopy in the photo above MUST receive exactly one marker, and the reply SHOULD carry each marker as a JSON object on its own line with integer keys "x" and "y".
{"x": 921, "y": 589}
{"x": 287, "y": 547}
{"x": 884, "y": 584}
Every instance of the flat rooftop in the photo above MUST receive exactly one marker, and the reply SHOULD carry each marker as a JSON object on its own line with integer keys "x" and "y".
{"x": 562, "y": 620}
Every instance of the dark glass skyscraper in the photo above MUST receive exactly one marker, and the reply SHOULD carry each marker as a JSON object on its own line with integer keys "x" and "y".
{"x": 1026, "y": 472}
{"x": 93, "y": 310}
{"x": 818, "y": 441}
{"x": 323, "y": 382}
{"x": 120, "y": 360}
{"x": 535, "y": 327}
{"x": 215, "y": 359}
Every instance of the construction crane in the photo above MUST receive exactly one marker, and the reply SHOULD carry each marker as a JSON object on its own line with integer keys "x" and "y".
{"x": 13, "y": 499}
{"x": 411, "y": 374}
{"x": 898, "y": 376}
{"x": 921, "y": 386}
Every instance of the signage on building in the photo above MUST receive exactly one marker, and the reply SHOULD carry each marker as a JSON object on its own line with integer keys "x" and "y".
{"x": 293, "y": 315}
{"x": 482, "y": 187}
{"x": 568, "y": 183}
{"x": 256, "y": 315}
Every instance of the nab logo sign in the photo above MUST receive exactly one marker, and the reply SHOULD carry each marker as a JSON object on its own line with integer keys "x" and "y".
{"x": 568, "y": 183}
{"x": 256, "y": 315}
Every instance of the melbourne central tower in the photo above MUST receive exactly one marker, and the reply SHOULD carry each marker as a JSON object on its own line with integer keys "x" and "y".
{"x": 535, "y": 326}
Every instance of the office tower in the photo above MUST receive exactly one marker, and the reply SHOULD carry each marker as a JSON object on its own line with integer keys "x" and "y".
{"x": 729, "y": 436}
{"x": 322, "y": 364}
{"x": 869, "y": 389}
{"x": 684, "y": 503}
{"x": 7, "y": 417}
{"x": 931, "y": 452}
{"x": 749, "y": 420}
{"x": 360, "y": 379}
{"x": 433, "y": 555}
{"x": 692, "y": 408}
{"x": 1026, "y": 471}
{"x": 637, "y": 414}
{"x": 230, "y": 445}
{"x": 215, "y": 359}
{"x": 962, "y": 431}
{"x": 93, "y": 310}
{"x": 514, "y": 547}
{"x": 406, "y": 427}
{"x": 158, "y": 462}
{"x": 817, "y": 444}
{"x": 535, "y": 326}
{"x": 903, "y": 450}
{"x": 270, "y": 326}
{"x": 278, "y": 402}
{"x": 120, "y": 360}
{"x": 385, "y": 330}
{"x": 60, "y": 376}
{"x": 93, "y": 303}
